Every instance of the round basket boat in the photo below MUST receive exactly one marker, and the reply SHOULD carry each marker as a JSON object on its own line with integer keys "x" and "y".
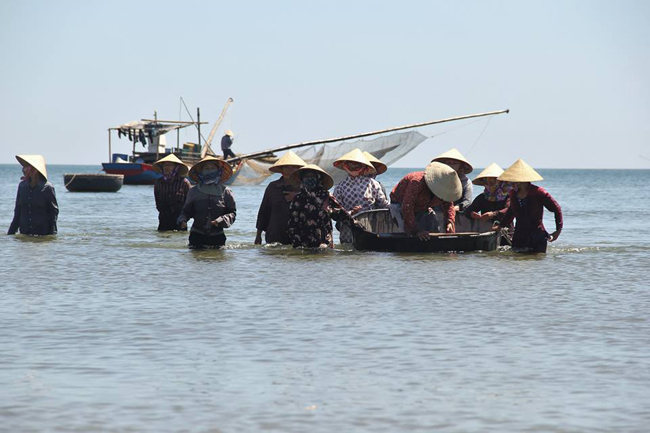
{"x": 99, "y": 182}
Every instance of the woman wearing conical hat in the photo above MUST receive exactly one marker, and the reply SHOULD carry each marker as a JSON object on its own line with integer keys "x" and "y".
{"x": 461, "y": 165}
{"x": 380, "y": 168}
{"x": 273, "y": 215}
{"x": 527, "y": 203}
{"x": 358, "y": 192}
{"x": 36, "y": 210}
{"x": 313, "y": 208}
{"x": 170, "y": 191}
{"x": 210, "y": 203}
{"x": 415, "y": 197}
{"x": 493, "y": 202}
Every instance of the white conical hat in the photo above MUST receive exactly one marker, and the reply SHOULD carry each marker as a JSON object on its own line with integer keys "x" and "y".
{"x": 492, "y": 170}
{"x": 36, "y": 161}
{"x": 376, "y": 162}
{"x": 229, "y": 133}
{"x": 328, "y": 182}
{"x": 196, "y": 168}
{"x": 289, "y": 159}
{"x": 455, "y": 154}
{"x": 520, "y": 172}
{"x": 157, "y": 166}
{"x": 443, "y": 181}
{"x": 355, "y": 155}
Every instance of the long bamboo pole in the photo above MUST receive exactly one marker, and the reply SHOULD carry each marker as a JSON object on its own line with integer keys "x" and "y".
{"x": 365, "y": 134}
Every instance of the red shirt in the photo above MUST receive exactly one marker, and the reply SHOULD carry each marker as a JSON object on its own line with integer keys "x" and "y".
{"x": 529, "y": 213}
{"x": 415, "y": 196}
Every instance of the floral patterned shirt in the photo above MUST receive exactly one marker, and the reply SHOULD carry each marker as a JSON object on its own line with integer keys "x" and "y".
{"x": 310, "y": 219}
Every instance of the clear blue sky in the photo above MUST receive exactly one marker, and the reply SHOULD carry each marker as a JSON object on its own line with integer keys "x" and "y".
{"x": 575, "y": 74}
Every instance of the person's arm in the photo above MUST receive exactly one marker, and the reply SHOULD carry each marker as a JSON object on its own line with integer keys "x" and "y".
{"x": 466, "y": 198}
{"x": 508, "y": 216}
{"x": 450, "y": 217}
{"x": 156, "y": 195}
{"x": 263, "y": 216}
{"x": 408, "y": 208}
{"x": 228, "y": 218}
{"x": 15, "y": 223}
{"x": 188, "y": 209}
{"x": 381, "y": 201}
{"x": 52, "y": 208}
{"x": 472, "y": 210}
{"x": 553, "y": 206}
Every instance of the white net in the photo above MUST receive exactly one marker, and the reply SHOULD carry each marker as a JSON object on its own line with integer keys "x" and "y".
{"x": 389, "y": 149}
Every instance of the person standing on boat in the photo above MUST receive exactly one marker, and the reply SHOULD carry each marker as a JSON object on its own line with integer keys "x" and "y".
{"x": 36, "y": 210}
{"x": 358, "y": 192}
{"x": 527, "y": 203}
{"x": 454, "y": 159}
{"x": 312, "y": 209}
{"x": 273, "y": 215}
{"x": 226, "y": 143}
{"x": 210, "y": 203}
{"x": 170, "y": 191}
{"x": 415, "y": 196}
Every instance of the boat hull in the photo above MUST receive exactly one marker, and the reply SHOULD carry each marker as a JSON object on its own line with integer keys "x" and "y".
{"x": 134, "y": 173}
{"x": 79, "y": 182}
{"x": 376, "y": 231}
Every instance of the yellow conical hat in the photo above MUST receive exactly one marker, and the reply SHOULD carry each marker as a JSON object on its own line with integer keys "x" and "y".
{"x": 492, "y": 170}
{"x": 354, "y": 156}
{"x": 182, "y": 171}
{"x": 379, "y": 166}
{"x": 289, "y": 159}
{"x": 36, "y": 161}
{"x": 455, "y": 154}
{"x": 229, "y": 133}
{"x": 328, "y": 182}
{"x": 520, "y": 172}
{"x": 443, "y": 181}
{"x": 196, "y": 168}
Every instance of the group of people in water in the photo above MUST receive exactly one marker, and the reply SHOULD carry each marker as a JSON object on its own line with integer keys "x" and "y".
{"x": 298, "y": 209}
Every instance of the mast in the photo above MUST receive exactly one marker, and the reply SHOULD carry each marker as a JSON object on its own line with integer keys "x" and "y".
{"x": 365, "y": 134}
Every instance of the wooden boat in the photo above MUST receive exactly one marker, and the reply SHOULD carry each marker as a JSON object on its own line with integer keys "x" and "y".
{"x": 81, "y": 182}
{"x": 376, "y": 230}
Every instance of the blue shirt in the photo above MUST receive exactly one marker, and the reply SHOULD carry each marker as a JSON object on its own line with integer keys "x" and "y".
{"x": 36, "y": 210}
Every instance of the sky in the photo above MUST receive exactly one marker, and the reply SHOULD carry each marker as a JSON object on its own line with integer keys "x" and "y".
{"x": 574, "y": 74}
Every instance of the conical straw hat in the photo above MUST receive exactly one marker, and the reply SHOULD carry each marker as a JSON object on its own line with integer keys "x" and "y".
{"x": 229, "y": 133}
{"x": 328, "y": 182}
{"x": 289, "y": 159}
{"x": 379, "y": 166}
{"x": 225, "y": 175}
{"x": 36, "y": 161}
{"x": 182, "y": 171}
{"x": 353, "y": 156}
{"x": 455, "y": 154}
{"x": 520, "y": 172}
{"x": 443, "y": 181}
{"x": 492, "y": 170}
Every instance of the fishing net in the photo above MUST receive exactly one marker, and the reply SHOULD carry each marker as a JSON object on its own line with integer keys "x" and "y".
{"x": 389, "y": 149}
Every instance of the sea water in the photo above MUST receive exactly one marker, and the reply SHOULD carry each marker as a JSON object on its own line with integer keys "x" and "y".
{"x": 112, "y": 326}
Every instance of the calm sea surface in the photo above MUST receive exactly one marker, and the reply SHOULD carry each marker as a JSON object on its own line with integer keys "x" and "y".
{"x": 111, "y": 326}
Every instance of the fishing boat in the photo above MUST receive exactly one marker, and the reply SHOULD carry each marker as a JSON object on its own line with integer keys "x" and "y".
{"x": 94, "y": 182}
{"x": 377, "y": 230}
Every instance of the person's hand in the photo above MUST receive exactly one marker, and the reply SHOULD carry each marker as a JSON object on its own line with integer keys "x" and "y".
{"x": 216, "y": 222}
{"x": 258, "y": 239}
{"x": 457, "y": 208}
{"x": 495, "y": 227}
{"x": 355, "y": 210}
{"x": 475, "y": 215}
{"x": 423, "y": 235}
{"x": 183, "y": 224}
{"x": 553, "y": 236}
{"x": 487, "y": 216}
{"x": 450, "y": 228}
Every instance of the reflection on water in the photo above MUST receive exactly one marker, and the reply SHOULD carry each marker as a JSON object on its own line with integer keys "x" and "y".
{"x": 111, "y": 326}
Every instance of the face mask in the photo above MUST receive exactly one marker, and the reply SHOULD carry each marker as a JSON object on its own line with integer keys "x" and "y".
{"x": 310, "y": 183}
{"x": 210, "y": 177}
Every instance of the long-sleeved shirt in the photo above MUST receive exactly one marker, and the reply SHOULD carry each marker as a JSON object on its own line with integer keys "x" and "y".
{"x": 226, "y": 142}
{"x": 482, "y": 205}
{"x": 205, "y": 208}
{"x": 415, "y": 196}
{"x": 36, "y": 210}
{"x": 170, "y": 196}
{"x": 273, "y": 215}
{"x": 468, "y": 193}
{"x": 529, "y": 213}
{"x": 361, "y": 191}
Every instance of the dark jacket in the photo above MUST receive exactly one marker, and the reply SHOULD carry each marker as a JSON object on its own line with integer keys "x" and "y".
{"x": 273, "y": 216}
{"x": 36, "y": 210}
{"x": 207, "y": 207}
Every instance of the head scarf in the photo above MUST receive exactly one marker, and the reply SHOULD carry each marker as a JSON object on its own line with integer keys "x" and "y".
{"x": 210, "y": 181}
{"x": 172, "y": 175}
{"x": 311, "y": 184}
{"x": 498, "y": 192}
